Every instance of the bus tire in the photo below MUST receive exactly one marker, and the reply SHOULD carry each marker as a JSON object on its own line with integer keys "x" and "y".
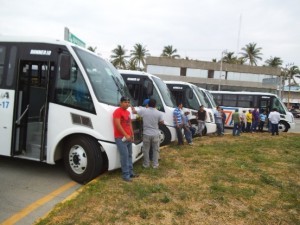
{"x": 82, "y": 158}
{"x": 164, "y": 135}
{"x": 283, "y": 126}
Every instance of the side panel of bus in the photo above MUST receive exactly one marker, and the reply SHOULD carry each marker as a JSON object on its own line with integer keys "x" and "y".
{"x": 6, "y": 122}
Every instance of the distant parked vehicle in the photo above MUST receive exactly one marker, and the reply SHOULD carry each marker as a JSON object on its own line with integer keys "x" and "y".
{"x": 295, "y": 112}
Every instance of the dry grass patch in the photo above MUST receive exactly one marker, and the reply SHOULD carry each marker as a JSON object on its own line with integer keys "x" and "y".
{"x": 252, "y": 179}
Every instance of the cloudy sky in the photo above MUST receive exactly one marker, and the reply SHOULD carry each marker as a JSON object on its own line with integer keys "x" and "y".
{"x": 198, "y": 29}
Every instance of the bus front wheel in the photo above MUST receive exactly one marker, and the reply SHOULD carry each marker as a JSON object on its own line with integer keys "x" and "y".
{"x": 283, "y": 126}
{"x": 164, "y": 135}
{"x": 82, "y": 158}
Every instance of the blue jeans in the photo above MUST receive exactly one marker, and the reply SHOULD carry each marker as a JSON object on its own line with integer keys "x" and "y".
{"x": 125, "y": 150}
{"x": 219, "y": 128}
{"x": 187, "y": 134}
{"x": 236, "y": 129}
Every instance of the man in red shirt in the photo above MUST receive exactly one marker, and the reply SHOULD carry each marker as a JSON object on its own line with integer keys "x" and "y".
{"x": 124, "y": 136}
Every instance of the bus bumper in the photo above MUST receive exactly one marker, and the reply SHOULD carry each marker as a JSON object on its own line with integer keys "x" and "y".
{"x": 211, "y": 128}
{"x": 113, "y": 155}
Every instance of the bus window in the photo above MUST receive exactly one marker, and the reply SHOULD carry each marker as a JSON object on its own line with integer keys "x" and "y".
{"x": 218, "y": 98}
{"x": 74, "y": 92}
{"x": 229, "y": 100}
{"x": 191, "y": 99}
{"x": 2, "y": 58}
{"x": 153, "y": 94}
{"x": 12, "y": 66}
{"x": 245, "y": 101}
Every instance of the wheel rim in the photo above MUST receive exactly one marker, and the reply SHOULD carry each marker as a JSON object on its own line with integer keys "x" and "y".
{"x": 77, "y": 159}
{"x": 281, "y": 127}
{"x": 161, "y": 136}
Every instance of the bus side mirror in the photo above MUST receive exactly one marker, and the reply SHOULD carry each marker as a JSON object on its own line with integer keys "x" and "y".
{"x": 149, "y": 88}
{"x": 65, "y": 67}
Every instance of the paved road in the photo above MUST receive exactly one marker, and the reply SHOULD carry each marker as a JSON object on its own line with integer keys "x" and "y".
{"x": 29, "y": 189}
{"x": 297, "y": 125}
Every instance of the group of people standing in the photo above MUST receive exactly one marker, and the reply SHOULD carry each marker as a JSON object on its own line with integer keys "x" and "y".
{"x": 124, "y": 136}
{"x": 183, "y": 125}
{"x": 253, "y": 121}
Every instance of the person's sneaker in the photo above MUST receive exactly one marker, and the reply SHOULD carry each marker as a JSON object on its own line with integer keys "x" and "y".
{"x": 127, "y": 179}
{"x": 191, "y": 143}
{"x": 134, "y": 175}
{"x": 155, "y": 167}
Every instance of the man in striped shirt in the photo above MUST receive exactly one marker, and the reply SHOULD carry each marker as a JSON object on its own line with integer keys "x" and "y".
{"x": 178, "y": 122}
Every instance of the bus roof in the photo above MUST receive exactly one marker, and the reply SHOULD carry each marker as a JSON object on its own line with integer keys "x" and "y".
{"x": 137, "y": 72}
{"x": 28, "y": 39}
{"x": 179, "y": 82}
{"x": 243, "y": 93}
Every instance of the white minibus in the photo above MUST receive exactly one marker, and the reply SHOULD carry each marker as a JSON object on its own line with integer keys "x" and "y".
{"x": 192, "y": 98}
{"x": 56, "y": 102}
{"x": 143, "y": 86}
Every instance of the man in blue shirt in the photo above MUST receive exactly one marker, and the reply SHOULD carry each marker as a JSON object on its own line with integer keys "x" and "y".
{"x": 178, "y": 122}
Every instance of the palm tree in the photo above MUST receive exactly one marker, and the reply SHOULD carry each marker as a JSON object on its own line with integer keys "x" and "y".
{"x": 138, "y": 55}
{"x": 251, "y": 53}
{"x": 274, "y": 62}
{"x": 118, "y": 58}
{"x": 168, "y": 51}
{"x": 230, "y": 58}
{"x": 92, "y": 49}
{"x": 293, "y": 70}
{"x": 131, "y": 65}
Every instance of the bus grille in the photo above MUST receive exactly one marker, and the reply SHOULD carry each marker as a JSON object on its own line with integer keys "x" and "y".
{"x": 137, "y": 126}
{"x": 81, "y": 120}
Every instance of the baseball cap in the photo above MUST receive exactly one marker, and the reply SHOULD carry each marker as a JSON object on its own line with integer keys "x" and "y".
{"x": 124, "y": 99}
{"x": 146, "y": 102}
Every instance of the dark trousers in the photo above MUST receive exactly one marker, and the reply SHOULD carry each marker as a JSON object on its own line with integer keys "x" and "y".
{"x": 261, "y": 126}
{"x": 274, "y": 128}
{"x": 179, "y": 135}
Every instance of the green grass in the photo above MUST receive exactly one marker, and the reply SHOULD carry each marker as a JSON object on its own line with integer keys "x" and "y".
{"x": 252, "y": 179}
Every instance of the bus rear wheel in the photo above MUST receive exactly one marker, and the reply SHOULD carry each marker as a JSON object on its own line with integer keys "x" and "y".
{"x": 164, "y": 135}
{"x": 283, "y": 126}
{"x": 82, "y": 158}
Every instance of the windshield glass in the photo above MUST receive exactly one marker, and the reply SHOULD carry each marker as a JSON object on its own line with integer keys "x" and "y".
{"x": 200, "y": 96}
{"x": 211, "y": 99}
{"x": 165, "y": 92}
{"x": 107, "y": 83}
{"x": 279, "y": 105}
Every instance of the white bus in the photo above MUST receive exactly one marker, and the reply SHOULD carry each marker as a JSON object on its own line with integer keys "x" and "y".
{"x": 192, "y": 98}
{"x": 208, "y": 98}
{"x": 56, "y": 102}
{"x": 230, "y": 101}
{"x": 143, "y": 86}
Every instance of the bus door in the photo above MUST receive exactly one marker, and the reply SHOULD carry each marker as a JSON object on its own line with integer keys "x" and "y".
{"x": 264, "y": 104}
{"x": 31, "y": 109}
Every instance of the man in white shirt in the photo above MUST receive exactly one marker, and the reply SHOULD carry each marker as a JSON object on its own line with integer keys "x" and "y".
{"x": 274, "y": 118}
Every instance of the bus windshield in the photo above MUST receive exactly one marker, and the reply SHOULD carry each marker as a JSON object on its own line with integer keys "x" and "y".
{"x": 165, "y": 92}
{"x": 201, "y": 97}
{"x": 211, "y": 99}
{"x": 106, "y": 81}
{"x": 279, "y": 106}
